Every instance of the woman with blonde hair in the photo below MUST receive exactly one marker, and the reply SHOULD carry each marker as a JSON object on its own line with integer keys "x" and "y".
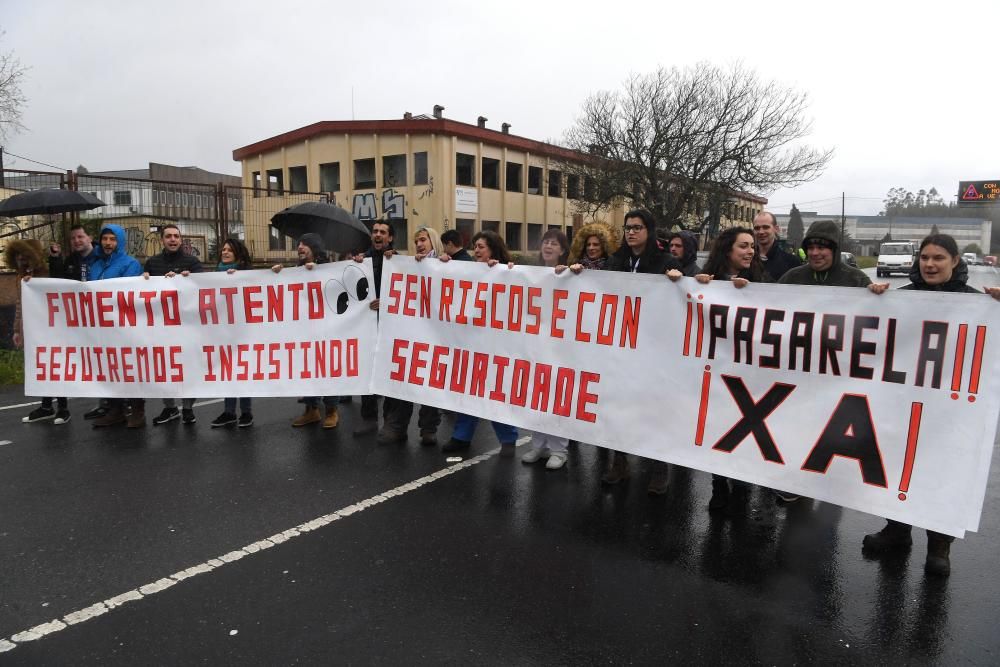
{"x": 427, "y": 242}
{"x": 592, "y": 245}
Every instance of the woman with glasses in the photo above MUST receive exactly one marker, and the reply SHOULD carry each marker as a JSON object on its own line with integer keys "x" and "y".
{"x": 639, "y": 253}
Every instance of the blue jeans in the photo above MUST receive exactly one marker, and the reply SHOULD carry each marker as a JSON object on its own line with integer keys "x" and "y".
{"x": 328, "y": 401}
{"x": 230, "y": 406}
{"x": 465, "y": 428}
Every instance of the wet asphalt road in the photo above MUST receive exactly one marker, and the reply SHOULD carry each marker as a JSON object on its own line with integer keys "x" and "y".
{"x": 495, "y": 563}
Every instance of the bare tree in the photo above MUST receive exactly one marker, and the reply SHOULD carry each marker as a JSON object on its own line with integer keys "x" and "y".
{"x": 11, "y": 97}
{"x": 684, "y": 142}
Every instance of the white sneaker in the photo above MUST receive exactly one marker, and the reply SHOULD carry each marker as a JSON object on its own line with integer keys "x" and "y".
{"x": 556, "y": 460}
{"x": 533, "y": 455}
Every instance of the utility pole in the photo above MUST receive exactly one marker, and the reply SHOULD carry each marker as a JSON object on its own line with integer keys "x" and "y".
{"x": 843, "y": 220}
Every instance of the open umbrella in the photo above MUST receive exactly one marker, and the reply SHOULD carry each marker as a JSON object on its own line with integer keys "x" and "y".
{"x": 340, "y": 230}
{"x": 46, "y": 201}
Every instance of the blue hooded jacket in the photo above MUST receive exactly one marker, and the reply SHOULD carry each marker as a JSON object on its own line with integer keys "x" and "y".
{"x": 118, "y": 264}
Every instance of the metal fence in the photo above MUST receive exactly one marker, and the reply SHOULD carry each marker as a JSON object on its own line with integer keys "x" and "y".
{"x": 206, "y": 213}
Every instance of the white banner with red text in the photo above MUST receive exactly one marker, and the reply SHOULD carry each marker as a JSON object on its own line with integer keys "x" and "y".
{"x": 885, "y": 404}
{"x": 299, "y": 332}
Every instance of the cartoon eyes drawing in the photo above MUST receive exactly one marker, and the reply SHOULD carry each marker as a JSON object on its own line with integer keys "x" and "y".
{"x": 351, "y": 286}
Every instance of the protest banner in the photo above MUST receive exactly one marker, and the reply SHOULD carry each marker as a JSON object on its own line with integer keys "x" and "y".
{"x": 885, "y": 404}
{"x": 249, "y": 333}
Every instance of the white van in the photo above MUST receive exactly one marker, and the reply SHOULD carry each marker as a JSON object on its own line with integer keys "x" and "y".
{"x": 895, "y": 257}
{"x": 970, "y": 258}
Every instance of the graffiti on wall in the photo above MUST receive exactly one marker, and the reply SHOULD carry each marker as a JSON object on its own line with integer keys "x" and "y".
{"x": 365, "y": 206}
{"x": 135, "y": 241}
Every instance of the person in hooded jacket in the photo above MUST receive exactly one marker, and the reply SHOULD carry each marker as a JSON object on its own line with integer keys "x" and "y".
{"x": 823, "y": 265}
{"x": 25, "y": 256}
{"x": 939, "y": 268}
{"x": 684, "y": 248}
{"x": 114, "y": 262}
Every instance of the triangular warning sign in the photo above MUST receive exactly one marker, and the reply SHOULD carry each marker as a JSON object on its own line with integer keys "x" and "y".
{"x": 970, "y": 192}
{"x": 849, "y": 433}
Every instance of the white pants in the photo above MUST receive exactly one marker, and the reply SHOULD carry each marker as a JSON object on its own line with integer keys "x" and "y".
{"x": 554, "y": 443}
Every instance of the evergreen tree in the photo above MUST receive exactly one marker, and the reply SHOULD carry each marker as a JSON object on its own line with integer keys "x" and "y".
{"x": 795, "y": 229}
{"x": 934, "y": 229}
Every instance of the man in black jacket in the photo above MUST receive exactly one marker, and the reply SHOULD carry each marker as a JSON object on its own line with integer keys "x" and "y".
{"x": 451, "y": 243}
{"x": 171, "y": 262}
{"x": 382, "y": 238}
{"x": 769, "y": 246}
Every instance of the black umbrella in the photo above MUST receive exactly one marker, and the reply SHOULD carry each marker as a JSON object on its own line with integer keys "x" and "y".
{"x": 48, "y": 201}
{"x": 340, "y": 230}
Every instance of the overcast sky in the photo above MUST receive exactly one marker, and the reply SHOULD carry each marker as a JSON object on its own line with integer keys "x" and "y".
{"x": 905, "y": 92}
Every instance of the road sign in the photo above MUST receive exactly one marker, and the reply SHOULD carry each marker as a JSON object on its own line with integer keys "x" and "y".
{"x": 978, "y": 193}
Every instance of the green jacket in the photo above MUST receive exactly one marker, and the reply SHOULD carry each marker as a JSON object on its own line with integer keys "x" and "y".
{"x": 838, "y": 275}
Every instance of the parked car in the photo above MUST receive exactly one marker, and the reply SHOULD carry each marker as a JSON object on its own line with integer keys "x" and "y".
{"x": 849, "y": 259}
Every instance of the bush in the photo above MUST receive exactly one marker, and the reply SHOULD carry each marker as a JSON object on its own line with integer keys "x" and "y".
{"x": 11, "y": 367}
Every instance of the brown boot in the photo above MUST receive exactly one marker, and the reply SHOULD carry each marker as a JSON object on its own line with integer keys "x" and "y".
{"x": 310, "y": 416}
{"x": 136, "y": 418}
{"x": 617, "y": 469}
{"x": 332, "y": 418}
{"x": 114, "y": 415}
{"x": 938, "y": 561}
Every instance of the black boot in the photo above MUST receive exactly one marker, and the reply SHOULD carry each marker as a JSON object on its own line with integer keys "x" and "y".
{"x": 617, "y": 469}
{"x": 895, "y": 536}
{"x": 938, "y": 554}
{"x": 720, "y": 493}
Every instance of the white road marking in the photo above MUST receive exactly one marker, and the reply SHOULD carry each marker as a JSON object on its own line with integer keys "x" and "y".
{"x": 20, "y": 405}
{"x": 6, "y": 442}
{"x": 209, "y": 402}
{"x": 146, "y": 590}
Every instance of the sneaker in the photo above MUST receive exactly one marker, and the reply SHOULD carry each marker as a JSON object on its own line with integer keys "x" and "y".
{"x": 454, "y": 445}
{"x": 556, "y": 460}
{"x": 246, "y": 419}
{"x": 187, "y": 416}
{"x": 62, "y": 416}
{"x": 39, "y": 414}
{"x": 168, "y": 415}
{"x": 535, "y": 454}
{"x": 96, "y": 413}
{"x": 225, "y": 419}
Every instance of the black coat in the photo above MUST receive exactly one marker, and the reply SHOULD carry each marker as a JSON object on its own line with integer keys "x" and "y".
{"x": 652, "y": 261}
{"x": 778, "y": 262}
{"x": 959, "y": 280}
{"x": 165, "y": 262}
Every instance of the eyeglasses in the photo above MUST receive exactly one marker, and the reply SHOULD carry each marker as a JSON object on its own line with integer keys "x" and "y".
{"x": 633, "y": 229}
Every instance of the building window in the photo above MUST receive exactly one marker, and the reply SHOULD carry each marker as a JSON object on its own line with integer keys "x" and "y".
{"x": 364, "y": 174}
{"x": 513, "y": 235}
{"x": 491, "y": 226}
{"x": 420, "y": 168}
{"x": 534, "y": 180}
{"x": 491, "y": 173}
{"x": 297, "y": 179}
{"x": 514, "y": 177}
{"x": 256, "y": 184}
{"x": 535, "y": 236}
{"x": 555, "y": 183}
{"x": 573, "y": 186}
{"x": 123, "y": 197}
{"x": 329, "y": 177}
{"x": 588, "y": 188}
{"x": 465, "y": 169}
{"x": 275, "y": 183}
{"x": 393, "y": 171}
{"x": 275, "y": 239}
{"x": 467, "y": 228}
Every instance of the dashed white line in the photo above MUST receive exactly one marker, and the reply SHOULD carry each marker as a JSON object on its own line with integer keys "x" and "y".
{"x": 6, "y": 442}
{"x": 20, "y": 405}
{"x": 146, "y": 590}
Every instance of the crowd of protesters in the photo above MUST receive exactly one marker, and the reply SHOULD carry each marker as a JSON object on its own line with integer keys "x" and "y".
{"x": 738, "y": 255}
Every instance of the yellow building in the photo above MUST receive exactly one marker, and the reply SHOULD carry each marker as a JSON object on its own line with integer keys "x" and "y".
{"x": 419, "y": 171}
